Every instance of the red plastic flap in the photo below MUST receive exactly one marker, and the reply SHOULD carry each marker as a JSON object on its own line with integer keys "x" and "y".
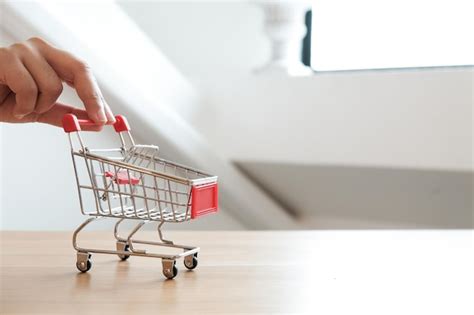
{"x": 122, "y": 178}
{"x": 204, "y": 200}
{"x": 70, "y": 123}
{"x": 121, "y": 124}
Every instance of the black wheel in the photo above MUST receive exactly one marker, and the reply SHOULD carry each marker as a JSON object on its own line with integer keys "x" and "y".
{"x": 84, "y": 266}
{"x": 191, "y": 263}
{"x": 170, "y": 274}
{"x": 124, "y": 257}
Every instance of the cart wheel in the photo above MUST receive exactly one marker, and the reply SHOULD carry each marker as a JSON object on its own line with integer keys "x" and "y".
{"x": 84, "y": 266}
{"x": 191, "y": 261}
{"x": 170, "y": 273}
{"x": 124, "y": 257}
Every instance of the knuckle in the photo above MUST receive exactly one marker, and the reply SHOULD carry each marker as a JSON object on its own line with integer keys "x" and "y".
{"x": 58, "y": 89}
{"x": 5, "y": 54}
{"x": 36, "y": 41}
{"x": 82, "y": 66}
{"x": 54, "y": 89}
{"x": 19, "y": 48}
{"x": 93, "y": 97}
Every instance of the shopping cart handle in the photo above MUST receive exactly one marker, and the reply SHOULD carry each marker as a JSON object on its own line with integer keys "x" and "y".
{"x": 121, "y": 124}
{"x": 71, "y": 123}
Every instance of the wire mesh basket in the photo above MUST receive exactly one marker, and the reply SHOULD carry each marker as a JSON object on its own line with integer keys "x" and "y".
{"x": 132, "y": 182}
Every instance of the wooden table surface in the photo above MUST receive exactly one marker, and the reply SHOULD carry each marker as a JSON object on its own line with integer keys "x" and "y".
{"x": 325, "y": 272}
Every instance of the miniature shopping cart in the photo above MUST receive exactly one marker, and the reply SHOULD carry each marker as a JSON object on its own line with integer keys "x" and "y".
{"x": 133, "y": 183}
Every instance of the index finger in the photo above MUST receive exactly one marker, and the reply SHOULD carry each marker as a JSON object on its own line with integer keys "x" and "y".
{"x": 76, "y": 73}
{"x": 55, "y": 116}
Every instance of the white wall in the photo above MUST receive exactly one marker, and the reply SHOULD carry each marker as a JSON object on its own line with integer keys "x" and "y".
{"x": 419, "y": 119}
{"x": 205, "y": 39}
{"x": 38, "y": 179}
{"x": 406, "y": 134}
{"x": 400, "y": 118}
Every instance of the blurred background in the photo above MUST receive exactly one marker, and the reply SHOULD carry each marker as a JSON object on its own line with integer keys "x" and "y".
{"x": 324, "y": 114}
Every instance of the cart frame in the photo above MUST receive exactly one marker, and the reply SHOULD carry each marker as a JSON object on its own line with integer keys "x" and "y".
{"x": 177, "y": 194}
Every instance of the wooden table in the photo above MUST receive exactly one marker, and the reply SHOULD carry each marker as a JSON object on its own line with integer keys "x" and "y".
{"x": 325, "y": 272}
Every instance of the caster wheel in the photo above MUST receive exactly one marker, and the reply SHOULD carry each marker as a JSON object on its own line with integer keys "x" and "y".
{"x": 124, "y": 257}
{"x": 84, "y": 266}
{"x": 191, "y": 262}
{"x": 170, "y": 273}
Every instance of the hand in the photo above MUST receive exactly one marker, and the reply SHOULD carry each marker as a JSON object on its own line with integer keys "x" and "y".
{"x": 31, "y": 80}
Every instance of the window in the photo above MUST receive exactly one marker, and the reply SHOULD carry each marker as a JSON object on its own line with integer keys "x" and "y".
{"x": 375, "y": 34}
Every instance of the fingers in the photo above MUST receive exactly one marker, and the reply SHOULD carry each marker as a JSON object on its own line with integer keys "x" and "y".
{"x": 19, "y": 80}
{"x": 77, "y": 73}
{"x": 33, "y": 72}
{"x": 6, "y": 111}
{"x": 49, "y": 85}
{"x": 4, "y": 92}
{"x": 108, "y": 113}
{"x": 88, "y": 91}
{"x": 55, "y": 116}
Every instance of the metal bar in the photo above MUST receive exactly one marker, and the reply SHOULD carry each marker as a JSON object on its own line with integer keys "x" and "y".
{"x": 120, "y": 194}
{"x": 167, "y": 162}
{"x": 106, "y": 193}
{"x": 160, "y": 234}
{"x": 126, "y": 194}
{"x": 124, "y": 165}
{"x": 171, "y": 200}
{"x": 188, "y": 207}
{"x": 129, "y": 238}
{"x": 105, "y": 150}
{"x": 91, "y": 178}
{"x": 116, "y": 230}
{"x": 79, "y": 229}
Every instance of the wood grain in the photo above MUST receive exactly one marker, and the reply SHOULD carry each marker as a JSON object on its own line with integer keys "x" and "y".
{"x": 326, "y": 272}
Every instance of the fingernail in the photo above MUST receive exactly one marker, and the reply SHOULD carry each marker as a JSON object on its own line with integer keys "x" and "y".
{"x": 19, "y": 116}
{"x": 111, "y": 118}
{"x": 100, "y": 116}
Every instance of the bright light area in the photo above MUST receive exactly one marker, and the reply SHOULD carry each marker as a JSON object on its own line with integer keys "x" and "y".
{"x": 371, "y": 34}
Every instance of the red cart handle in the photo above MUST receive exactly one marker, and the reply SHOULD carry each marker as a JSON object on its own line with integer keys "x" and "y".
{"x": 72, "y": 124}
